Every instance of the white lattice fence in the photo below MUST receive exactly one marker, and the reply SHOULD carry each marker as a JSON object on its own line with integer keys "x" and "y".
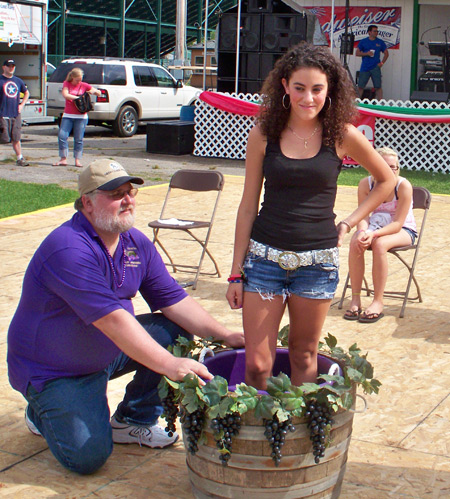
{"x": 421, "y": 146}
{"x": 220, "y": 134}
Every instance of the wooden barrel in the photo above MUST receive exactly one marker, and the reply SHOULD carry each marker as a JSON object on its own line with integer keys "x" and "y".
{"x": 251, "y": 472}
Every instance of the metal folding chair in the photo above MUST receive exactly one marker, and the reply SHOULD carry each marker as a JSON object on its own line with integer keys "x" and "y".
{"x": 196, "y": 181}
{"x": 421, "y": 201}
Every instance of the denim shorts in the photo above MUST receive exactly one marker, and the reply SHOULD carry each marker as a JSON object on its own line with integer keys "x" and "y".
{"x": 412, "y": 234}
{"x": 263, "y": 276}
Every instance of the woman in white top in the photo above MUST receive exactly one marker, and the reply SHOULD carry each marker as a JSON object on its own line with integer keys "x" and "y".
{"x": 392, "y": 224}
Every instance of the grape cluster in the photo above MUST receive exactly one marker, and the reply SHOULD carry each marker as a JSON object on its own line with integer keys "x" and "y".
{"x": 193, "y": 424}
{"x": 224, "y": 429}
{"x": 320, "y": 419}
{"x": 170, "y": 411}
{"x": 276, "y": 434}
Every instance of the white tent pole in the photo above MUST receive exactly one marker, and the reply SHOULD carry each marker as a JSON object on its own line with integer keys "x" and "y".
{"x": 238, "y": 36}
{"x": 205, "y": 45}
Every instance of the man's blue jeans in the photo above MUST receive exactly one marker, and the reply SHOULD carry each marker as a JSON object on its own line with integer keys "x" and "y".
{"x": 73, "y": 414}
{"x": 79, "y": 126}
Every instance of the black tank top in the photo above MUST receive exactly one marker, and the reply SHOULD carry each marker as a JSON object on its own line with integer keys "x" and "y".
{"x": 299, "y": 195}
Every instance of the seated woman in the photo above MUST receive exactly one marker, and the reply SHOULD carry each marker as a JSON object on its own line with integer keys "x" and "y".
{"x": 392, "y": 224}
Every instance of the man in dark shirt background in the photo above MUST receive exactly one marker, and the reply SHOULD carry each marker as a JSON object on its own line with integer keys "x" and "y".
{"x": 11, "y": 108}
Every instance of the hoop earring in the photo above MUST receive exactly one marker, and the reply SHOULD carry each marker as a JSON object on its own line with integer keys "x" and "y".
{"x": 283, "y": 102}
{"x": 329, "y": 103}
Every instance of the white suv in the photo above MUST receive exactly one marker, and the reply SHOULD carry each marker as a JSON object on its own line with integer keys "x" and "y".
{"x": 131, "y": 91}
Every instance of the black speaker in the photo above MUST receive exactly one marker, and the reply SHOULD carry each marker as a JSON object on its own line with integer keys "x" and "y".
{"x": 259, "y": 6}
{"x": 244, "y": 86}
{"x": 267, "y": 63}
{"x": 347, "y": 43}
{"x": 249, "y": 86}
{"x": 170, "y": 137}
{"x": 282, "y": 31}
{"x": 421, "y": 96}
{"x": 225, "y": 85}
{"x": 250, "y": 32}
{"x": 249, "y": 65}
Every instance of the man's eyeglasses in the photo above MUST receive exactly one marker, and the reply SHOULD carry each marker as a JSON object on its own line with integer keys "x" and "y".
{"x": 117, "y": 195}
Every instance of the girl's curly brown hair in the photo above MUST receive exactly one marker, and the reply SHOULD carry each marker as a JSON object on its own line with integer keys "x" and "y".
{"x": 273, "y": 117}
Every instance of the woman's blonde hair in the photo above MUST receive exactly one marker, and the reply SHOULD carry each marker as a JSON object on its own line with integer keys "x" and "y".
{"x": 387, "y": 151}
{"x": 74, "y": 73}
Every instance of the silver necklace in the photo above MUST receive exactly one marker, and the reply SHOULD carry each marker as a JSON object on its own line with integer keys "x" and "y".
{"x": 305, "y": 139}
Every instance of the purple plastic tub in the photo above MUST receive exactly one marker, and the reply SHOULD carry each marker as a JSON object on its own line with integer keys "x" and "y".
{"x": 231, "y": 366}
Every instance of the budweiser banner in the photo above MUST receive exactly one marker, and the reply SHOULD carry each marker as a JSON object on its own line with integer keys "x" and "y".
{"x": 388, "y": 20}
{"x": 366, "y": 125}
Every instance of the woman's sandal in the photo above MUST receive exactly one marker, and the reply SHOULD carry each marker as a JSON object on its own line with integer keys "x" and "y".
{"x": 352, "y": 315}
{"x": 370, "y": 317}
{"x": 59, "y": 163}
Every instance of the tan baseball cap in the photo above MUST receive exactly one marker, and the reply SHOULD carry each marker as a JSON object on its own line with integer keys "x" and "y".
{"x": 105, "y": 175}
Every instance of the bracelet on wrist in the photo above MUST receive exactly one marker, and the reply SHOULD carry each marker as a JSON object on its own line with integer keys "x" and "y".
{"x": 347, "y": 224}
{"x": 234, "y": 281}
{"x": 235, "y": 276}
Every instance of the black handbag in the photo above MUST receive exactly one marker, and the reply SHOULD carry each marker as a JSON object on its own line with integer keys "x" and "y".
{"x": 83, "y": 103}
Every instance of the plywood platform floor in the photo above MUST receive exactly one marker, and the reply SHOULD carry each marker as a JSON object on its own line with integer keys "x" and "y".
{"x": 400, "y": 446}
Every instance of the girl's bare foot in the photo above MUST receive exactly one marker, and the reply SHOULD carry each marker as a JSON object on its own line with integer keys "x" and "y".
{"x": 61, "y": 162}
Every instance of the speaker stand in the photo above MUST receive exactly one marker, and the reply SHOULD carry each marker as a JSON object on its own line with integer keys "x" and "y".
{"x": 344, "y": 55}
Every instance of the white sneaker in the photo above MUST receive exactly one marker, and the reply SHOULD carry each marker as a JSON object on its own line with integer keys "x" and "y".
{"x": 30, "y": 425}
{"x": 152, "y": 436}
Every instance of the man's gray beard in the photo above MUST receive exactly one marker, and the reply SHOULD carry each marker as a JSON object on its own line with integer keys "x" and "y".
{"x": 112, "y": 223}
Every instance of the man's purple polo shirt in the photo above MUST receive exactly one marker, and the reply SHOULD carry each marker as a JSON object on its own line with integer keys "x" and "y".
{"x": 68, "y": 285}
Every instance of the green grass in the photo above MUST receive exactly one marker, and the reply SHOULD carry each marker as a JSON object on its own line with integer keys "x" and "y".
{"x": 436, "y": 183}
{"x": 20, "y": 197}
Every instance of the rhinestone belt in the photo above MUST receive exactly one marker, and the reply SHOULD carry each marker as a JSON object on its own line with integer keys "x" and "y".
{"x": 290, "y": 260}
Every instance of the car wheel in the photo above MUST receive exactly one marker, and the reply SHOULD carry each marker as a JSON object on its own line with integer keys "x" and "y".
{"x": 126, "y": 123}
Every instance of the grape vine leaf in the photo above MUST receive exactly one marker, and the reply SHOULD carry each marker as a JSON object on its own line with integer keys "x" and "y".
{"x": 347, "y": 400}
{"x": 292, "y": 400}
{"x": 190, "y": 401}
{"x": 264, "y": 407}
{"x": 310, "y": 387}
{"x": 282, "y": 415}
{"x": 278, "y": 384}
{"x": 331, "y": 341}
{"x": 246, "y": 397}
{"x": 215, "y": 390}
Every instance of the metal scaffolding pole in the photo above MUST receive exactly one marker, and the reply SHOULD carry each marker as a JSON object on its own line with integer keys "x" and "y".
{"x": 205, "y": 45}
{"x": 122, "y": 29}
{"x": 180, "y": 32}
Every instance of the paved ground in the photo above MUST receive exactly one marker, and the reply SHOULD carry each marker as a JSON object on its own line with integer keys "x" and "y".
{"x": 40, "y": 148}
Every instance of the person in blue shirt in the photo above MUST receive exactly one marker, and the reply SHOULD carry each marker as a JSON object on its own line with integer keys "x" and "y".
{"x": 11, "y": 108}
{"x": 369, "y": 49}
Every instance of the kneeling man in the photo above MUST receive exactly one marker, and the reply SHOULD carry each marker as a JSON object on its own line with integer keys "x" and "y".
{"x": 75, "y": 329}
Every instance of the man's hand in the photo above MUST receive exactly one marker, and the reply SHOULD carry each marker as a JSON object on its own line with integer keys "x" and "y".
{"x": 21, "y": 106}
{"x": 181, "y": 366}
{"x": 192, "y": 317}
{"x": 235, "y": 339}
